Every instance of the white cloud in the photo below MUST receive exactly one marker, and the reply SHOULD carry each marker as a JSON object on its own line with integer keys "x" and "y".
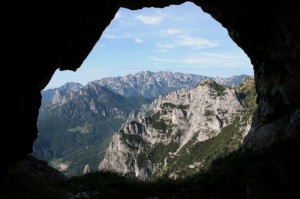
{"x": 138, "y": 40}
{"x": 109, "y": 36}
{"x": 206, "y": 59}
{"x": 117, "y": 36}
{"x": 149, "y": 20}
{"x": 99, "y": 45}
{"x": 157, "y": 59}
{"x": 214, "y": 59}
{"x": 196, "y": 42}
{"x": 166, "y": 46}
{"x": 170, "y": 31}
{"x": 188, "y": 41}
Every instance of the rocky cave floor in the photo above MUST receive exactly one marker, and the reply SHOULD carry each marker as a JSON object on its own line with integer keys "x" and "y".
{"x": 243, "y": 174}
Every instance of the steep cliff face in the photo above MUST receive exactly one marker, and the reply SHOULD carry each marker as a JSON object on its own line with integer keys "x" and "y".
{"x": 155, "y": 139}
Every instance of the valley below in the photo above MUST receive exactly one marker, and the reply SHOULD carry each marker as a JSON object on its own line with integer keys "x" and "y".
{"x": 145, "y": 125}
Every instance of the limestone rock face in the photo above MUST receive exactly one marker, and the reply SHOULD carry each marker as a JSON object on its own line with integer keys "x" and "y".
{"x": 47, "y": 94}
{"x": 86, "y": 169}
{"x": 175, "y": 119}
{"x": 62, "y": 97}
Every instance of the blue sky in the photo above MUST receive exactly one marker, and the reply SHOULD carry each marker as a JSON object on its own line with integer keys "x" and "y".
{"x": 176, "y": 38}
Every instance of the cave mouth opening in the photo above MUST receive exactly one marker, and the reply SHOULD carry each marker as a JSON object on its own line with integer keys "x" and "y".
{"x": 179, "y": 38}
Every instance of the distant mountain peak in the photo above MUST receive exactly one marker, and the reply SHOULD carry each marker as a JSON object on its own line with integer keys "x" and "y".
{"x": 48, "y": 94}
{"x": 149, "y": 84}
{"x": 152, "y": 84}
{"x": 74, "y": 86}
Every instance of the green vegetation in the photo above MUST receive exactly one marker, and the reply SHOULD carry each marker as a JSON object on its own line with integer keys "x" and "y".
{"x": 160, "y": 125}
{"x": 208, "y": 113}
{"x": 248, "y": 89}
{"x": 203, "y": 153}
{"x": 219, "y": 89}
{"x": 168, "y": 105}
{"x": 157, "y": 123}
{"x": 155, "y": 116}
{"x": 222, "y": 112}
{"x": 178, "y": 134}
{"x": 198, "y": 156}
{"x": 183, "y": 106}
{"x": 86, "y": 128}
{"x": 142, "y": 160}
{"x": 249, "y": 102}
{"x": 215, "y": 168}
{"x": 216, "y": 90}
{"x": 74, "y": 134}
{"x": 160, "y": 151}
{"x": 131, "y": 140}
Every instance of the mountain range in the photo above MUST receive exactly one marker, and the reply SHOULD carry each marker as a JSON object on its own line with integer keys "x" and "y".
{"x": 76, "y": 122}
{"x": 147, "y": 84}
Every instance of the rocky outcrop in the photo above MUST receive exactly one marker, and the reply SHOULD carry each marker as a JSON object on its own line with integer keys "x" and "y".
{"x": 86, "y": 169}
{"x": 62, "y": 97}
{"x": 173, "y": 123}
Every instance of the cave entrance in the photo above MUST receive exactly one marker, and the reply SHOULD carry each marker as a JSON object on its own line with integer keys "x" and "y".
{"x": 180, "y": 39}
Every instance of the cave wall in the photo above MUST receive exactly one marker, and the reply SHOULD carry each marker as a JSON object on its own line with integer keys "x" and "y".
{"x": 42, "y": 37}
{"x": 269, "y": 33}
